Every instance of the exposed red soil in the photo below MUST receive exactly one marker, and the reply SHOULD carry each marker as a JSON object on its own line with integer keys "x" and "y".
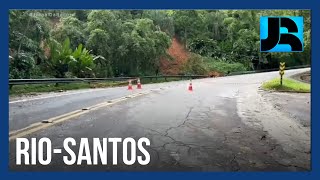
{"x": 180, "y": 56}
{"x": 215, "y": 74}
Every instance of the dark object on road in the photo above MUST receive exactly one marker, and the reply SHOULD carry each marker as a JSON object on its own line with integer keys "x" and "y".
{"x": 47, "y": 121}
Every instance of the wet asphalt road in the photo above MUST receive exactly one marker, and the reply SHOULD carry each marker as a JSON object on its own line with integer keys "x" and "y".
{"x": 225, "y": 124}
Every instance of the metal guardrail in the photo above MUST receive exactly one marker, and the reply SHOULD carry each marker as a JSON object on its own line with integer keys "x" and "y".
{"x": 89, "y": 80}
{"x": 165, "y": 77}
{"x": 64, "y": 80}
{"x": 266, "y": 70}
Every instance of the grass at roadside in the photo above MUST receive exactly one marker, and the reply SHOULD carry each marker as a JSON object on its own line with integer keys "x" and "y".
{"x": 288, "y": 85}
{"x": 40, "y": 88}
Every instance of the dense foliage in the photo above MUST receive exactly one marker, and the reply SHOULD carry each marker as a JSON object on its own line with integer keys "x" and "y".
{"x": 104, "y": 43}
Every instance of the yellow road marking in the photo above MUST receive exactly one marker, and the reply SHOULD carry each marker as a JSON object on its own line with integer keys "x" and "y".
{"x": 59, "y": 119}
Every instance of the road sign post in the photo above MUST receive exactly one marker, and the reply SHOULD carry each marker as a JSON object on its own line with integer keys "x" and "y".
{"x": 281, "y": 71}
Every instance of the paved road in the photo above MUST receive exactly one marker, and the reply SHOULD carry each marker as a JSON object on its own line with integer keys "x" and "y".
{"x": 225, "y": 124}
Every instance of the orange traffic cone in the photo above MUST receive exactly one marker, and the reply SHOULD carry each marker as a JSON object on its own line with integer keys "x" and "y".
{"x": 139, "y": 84}
{"x": 130, "y": 85}
{"x": 190, "y": 86}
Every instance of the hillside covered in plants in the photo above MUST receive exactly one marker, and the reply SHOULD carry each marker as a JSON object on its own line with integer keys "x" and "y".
{"x": 110, "y": 43}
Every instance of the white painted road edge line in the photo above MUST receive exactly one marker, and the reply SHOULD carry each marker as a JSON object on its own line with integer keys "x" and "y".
{"x": 53, "y": 96}
{"x": 64, "y": 117}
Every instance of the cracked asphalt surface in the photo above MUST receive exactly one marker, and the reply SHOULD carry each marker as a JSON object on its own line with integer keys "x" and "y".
{"x": 225, "y": 124}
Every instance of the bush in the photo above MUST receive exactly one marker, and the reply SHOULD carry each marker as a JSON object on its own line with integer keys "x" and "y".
{"x": 195, "y": 65}
{"x": 21, "y": 65}
{"x": 222, "y": 66}
{"x": 199, "y": 65}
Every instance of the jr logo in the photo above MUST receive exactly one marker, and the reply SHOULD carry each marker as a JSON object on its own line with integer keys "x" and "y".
{"x": 281, "y": 34}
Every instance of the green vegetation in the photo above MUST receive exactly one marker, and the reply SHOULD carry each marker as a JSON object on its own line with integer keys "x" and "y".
{"x": 111, "y": 43}
{"x": 224, "y": 67}
{"x": 203, "y": 65}
{"x": 38, "y": 88}
{"x": 288, "y": 85}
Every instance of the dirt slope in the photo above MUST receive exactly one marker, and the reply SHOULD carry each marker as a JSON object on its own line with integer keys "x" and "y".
{"x": 180, "y": 56}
